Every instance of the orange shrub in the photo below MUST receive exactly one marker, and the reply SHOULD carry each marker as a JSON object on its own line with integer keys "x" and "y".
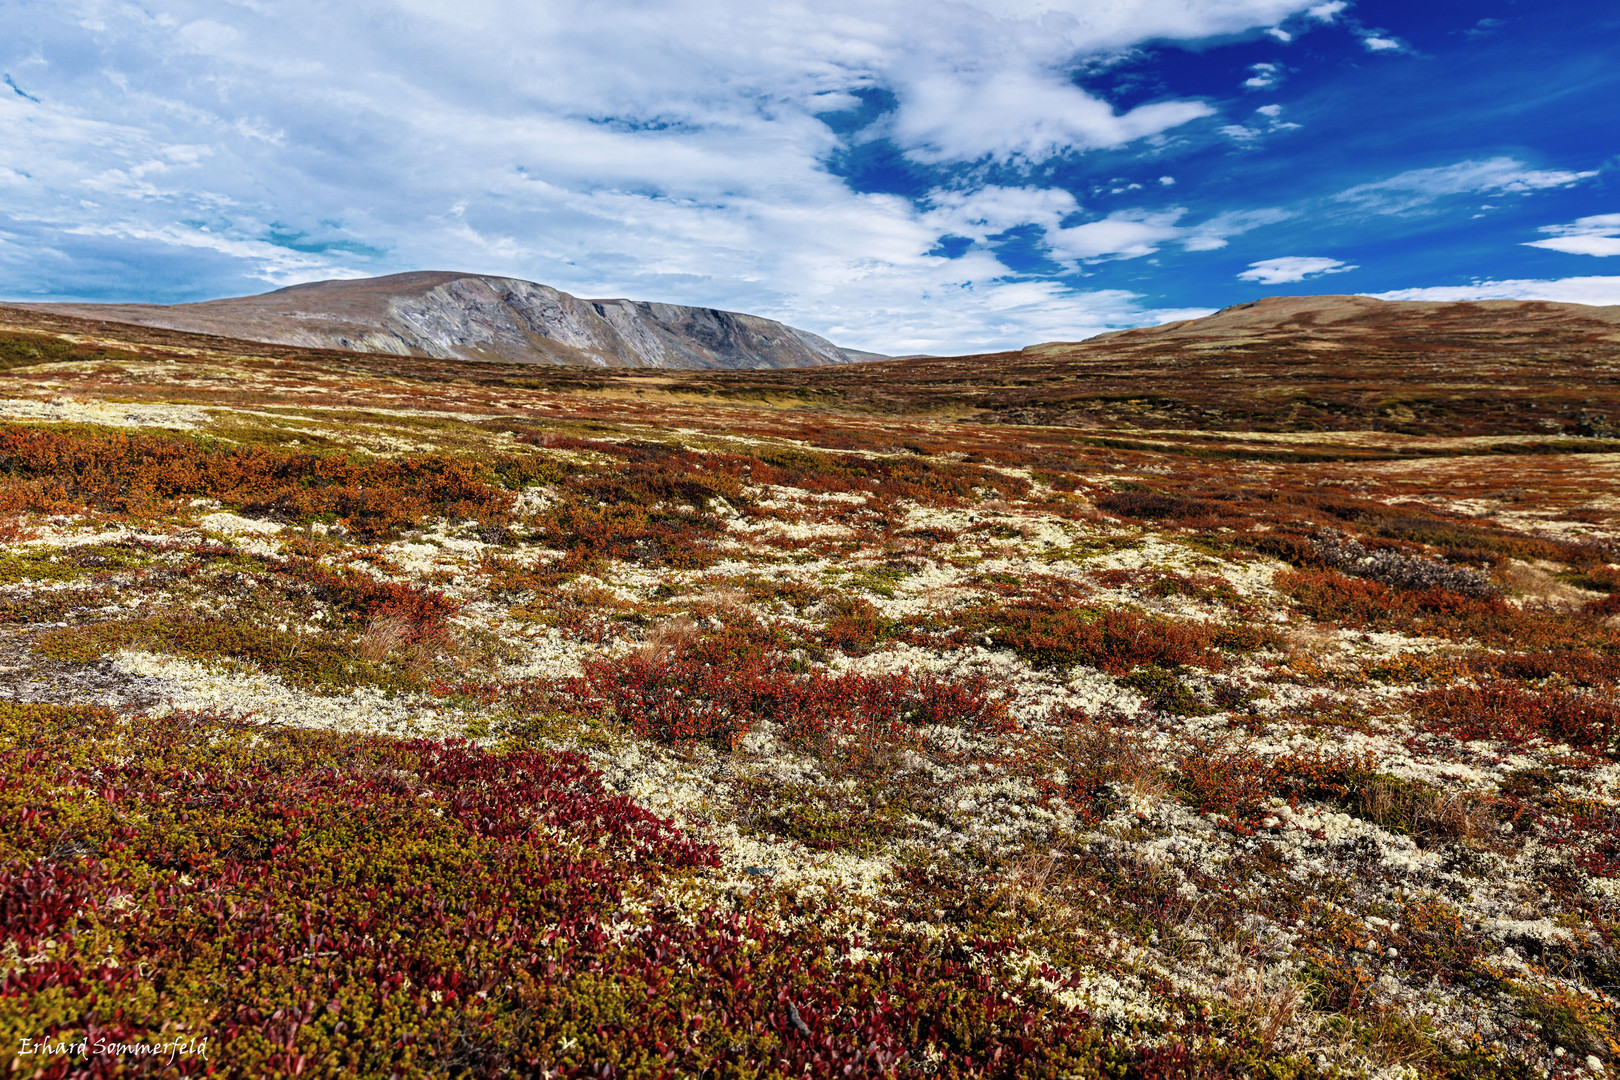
{"x": 1050, "y": 635}
{"x": 54, "y": 471}
{"x": 631, "y": 531}
{"x": 1239, "y": 784}
{"x": 856, "y": 626}
{"x": 1329, "y": 596}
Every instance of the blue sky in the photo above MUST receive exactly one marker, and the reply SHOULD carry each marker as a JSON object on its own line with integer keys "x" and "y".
{"x": 900, "y": 175}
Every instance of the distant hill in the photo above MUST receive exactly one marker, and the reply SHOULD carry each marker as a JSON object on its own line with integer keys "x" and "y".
{"x": 1343, "y": 319}
{"x": 479, "y": 317}
{"x": 1299, "y": 364}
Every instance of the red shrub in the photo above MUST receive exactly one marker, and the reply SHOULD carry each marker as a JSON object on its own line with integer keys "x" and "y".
{"x": 1151, "y": 506}
{"x": 1583, "y": 668}
{"x": 364, "y": 907}
{"x": 1329, "y": 596}
{"x": 1509, "y": 712}
{"x": 715, "y": 689}
{"x": 1592, "y": 833}
{"x": 1604, "y": 607}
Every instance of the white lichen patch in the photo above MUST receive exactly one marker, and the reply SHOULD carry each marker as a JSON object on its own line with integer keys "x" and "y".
{"x": 62, "y": 410}
{"x": 231, "y": 524}
{"x": 239, "y": 692}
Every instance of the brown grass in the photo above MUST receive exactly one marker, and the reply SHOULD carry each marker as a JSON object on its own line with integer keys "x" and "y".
{"x": 384, "y": 636}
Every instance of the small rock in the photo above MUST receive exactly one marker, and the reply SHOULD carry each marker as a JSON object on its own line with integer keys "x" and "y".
{"x": 1593, "y": 1064}
{"x": 1392, "y": 952}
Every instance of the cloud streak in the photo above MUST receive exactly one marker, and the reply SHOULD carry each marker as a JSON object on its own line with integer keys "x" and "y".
{"x": 1418, "y": 189}
{"x": 1602, "y": 291}
{"x": 1596, "y": 235}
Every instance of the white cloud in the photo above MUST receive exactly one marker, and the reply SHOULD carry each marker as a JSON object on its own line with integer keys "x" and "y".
{"x": 1293, "y": 268}
{"x": 1596, "y": 235}
{"x": 1273, "y": 124}
{"x": 208, "y": 36}
{"x": 276, "y": 265}
{"x": 1265, "y": 75}
{"x": 1603, "y": 291}
{"x": 1418, "y": 188}
{"x": 1375, "y": 43}
{"x": 1131, "y": 234}
{"x": 1280, "y": 34}
{"x": 1327, "y": 12}
{"x": 988, "y": 211}
{"x": 1022, "y": 116}
{"x": 1167, "y": 181}
{"x": 1122, "y": 234}
{"x": 1127, "y": 234}
{"x": 1600, "y": 246}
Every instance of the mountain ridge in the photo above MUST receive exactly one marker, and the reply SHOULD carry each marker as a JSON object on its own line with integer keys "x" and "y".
{"x": 449, "y": 315}
{"x": 1352, "y": 315}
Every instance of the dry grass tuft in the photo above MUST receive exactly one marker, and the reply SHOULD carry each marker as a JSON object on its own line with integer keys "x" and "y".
{"x": 667, "y": 638}
{"x": 382, "y": 638}
{"x": 1270, "y": 1007}
{"x": 1536, "y": 587}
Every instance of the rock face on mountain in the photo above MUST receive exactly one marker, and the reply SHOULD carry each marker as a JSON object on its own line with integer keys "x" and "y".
{"x": 477, "y": 317}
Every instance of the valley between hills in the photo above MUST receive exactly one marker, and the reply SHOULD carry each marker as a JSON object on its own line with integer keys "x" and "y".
{"x": 1238, "y": 698}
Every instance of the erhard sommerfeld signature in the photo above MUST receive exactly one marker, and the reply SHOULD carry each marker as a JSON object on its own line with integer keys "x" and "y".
{"x": 102, "y": 1046}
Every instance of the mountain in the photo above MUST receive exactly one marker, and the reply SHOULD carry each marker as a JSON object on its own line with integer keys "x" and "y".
{"x": 1283, "y": 364}
{"x": 1335, "y": 363}
{"x": 479, "y": 317}
{"x": 1342, "y": 320}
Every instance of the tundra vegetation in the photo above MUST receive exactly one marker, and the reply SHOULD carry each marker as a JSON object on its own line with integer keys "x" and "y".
{"x": 380, "y": 716}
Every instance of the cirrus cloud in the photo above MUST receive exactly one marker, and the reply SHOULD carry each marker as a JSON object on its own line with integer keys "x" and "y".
{"x": 1598, "y": 235}
{"x": 1293, "y": 268}
{"x": 1417, "y": 189}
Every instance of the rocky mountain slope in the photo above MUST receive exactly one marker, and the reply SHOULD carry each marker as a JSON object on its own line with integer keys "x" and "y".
{"x": 453, "y": 316}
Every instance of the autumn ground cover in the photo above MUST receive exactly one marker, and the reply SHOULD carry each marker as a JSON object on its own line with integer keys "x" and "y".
{"x": 381, "y": 716}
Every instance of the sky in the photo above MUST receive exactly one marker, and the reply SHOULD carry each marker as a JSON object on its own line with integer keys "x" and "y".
{"x": 898, "y": 175}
